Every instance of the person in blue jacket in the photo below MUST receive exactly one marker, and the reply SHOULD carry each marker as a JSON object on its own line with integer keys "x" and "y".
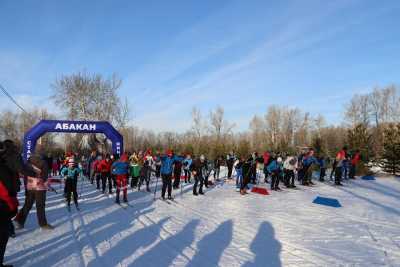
{"x": 275, "y": 169}
{"x": 307, "y": 161}
{"x": 120, "y": 169}
{"x": 167, "y": 165}
{"x": 71, "y": 174}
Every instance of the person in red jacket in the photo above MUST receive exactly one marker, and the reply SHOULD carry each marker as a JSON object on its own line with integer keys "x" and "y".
{"x": 354, "y": 161}
{"x": 340, "y": 157}
{"x": 105, "y": 170}
{"x": 96, "y": 171}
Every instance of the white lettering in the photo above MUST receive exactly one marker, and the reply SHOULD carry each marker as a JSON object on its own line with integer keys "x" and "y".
{"x": 75, "y": 126}
{"x": 85, "y": 127}
{"x": 92, "y": 127}
{"x": 78, "y": 127}
{"x": 65, "y": 126}
{"x": 58, "y": 126}
{"x": 71, "y": 127}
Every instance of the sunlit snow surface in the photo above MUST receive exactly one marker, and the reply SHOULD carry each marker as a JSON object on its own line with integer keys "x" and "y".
{"x": 222, "y": 228}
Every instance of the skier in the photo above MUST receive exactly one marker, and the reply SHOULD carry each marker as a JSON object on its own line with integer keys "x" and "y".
{"x": 266, "y": 159}
{"x": 157, "y": 162}
{"x": 246, "y": 170}
{"x": 145, "y": 171}
{"x": 230, "y": 160}
{"x": 97, "y": 171}
{"x": 105, "y": 170}
{"x": 239, "y": 172}
{"x": 340, "y": 157}
{"x": 217, "y": 168}
{"x": 167, "y": 163}
{"x": 354, "y": 162}
{"x": 322, "y": 168}
{"x": 177, "y": 173}
{"x": 275, "y": 168}
{"x": 54, "y": 167}
{"x": 120, "y": 169}
{"x": 36, "y": 192}
{"x": 307, "y": 161}
{"x": 10, "y": 165}
{"x": 199, "y": 169}
{"x": 134, "y": 170}
{"x": 289, "y": 168}
{"x": 187, "y": 162}
{"x": 71, "y": 174}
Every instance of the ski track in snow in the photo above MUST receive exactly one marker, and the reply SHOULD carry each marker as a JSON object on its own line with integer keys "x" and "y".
{"x": 221, "y": 228}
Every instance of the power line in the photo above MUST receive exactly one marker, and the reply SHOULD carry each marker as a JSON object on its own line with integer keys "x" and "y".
{"x": 12, "y": 99}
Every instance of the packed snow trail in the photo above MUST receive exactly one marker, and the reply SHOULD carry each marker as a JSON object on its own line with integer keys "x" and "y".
{"x": 221, "y": 228}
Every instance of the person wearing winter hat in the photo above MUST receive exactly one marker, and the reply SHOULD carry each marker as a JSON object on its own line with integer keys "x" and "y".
{"x": 120, "y": 169}
{"x": 167, "y": 163}
{"x": 71, "y": 174}
{"x": 198, "y": 169}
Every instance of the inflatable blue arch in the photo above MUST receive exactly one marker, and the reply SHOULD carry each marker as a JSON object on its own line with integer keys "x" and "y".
{"x": 58, "y": 126}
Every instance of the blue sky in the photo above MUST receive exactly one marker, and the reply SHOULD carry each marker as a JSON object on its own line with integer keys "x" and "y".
{"x": 173, "y": 55}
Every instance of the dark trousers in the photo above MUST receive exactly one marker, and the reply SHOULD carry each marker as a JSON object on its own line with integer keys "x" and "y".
{"x": 4, "y": 236}
{"x": 134, "y": 181}
{"x": 177, "y": 177}
{"x": 352, "y": 172}
{"x": 216, "y": 172}
{"x": 198, "y": 179}
{"x": 167, "y": 184}
{"x": 338, "y": 175}
{"x": 158, "y": 171}
{"x": 98, "y": 178}
{"x": 289, "y": 178}
{"x": 230, "y": 168}
{"x": 104, "y": 178}
{"x": 187, "y": 176}
{"x": 33, "y": 196}
{"x": 322, "y": 174}
{"x": 275, "y": 181}
{"x": 143, "y": 179}
{"x": 70, "y": 189}
{"x": 245, "y": 181}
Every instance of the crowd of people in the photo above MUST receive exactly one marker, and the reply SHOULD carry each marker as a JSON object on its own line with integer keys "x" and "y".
{"x": 140, "y": 169}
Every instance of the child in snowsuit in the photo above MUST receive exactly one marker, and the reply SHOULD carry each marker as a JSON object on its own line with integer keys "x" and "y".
{"x": 120, "y": 169}
{"x": 71, "y": 174}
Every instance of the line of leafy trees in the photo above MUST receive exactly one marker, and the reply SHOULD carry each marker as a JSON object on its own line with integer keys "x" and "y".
{"x": 371, "y": 124}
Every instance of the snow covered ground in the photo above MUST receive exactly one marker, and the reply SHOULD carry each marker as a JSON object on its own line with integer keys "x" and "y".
{"x": 222, "y": 228}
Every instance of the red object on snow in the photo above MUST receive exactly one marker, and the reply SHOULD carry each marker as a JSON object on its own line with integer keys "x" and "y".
{"x": 259, "y": 190}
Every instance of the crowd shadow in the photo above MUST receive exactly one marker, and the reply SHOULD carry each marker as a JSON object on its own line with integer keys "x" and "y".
{"x": 167, "y": 250}
{"x": 382, "y": 189}
{"x": 212, "y": 246}
{"x": 266, "y": 248}
{"x": 387, "y": 208}
{"x": 89, "y": 235}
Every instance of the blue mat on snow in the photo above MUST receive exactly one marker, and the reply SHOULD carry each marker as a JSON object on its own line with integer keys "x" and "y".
{"x": 368, "y": 178}
{"x": 331, "y": 202}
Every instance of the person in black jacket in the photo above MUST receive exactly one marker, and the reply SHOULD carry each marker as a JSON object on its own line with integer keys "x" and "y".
{"x": 230, "y": 160}
{"x": 10, "y": 165}
{"x": 198, "y": 169}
